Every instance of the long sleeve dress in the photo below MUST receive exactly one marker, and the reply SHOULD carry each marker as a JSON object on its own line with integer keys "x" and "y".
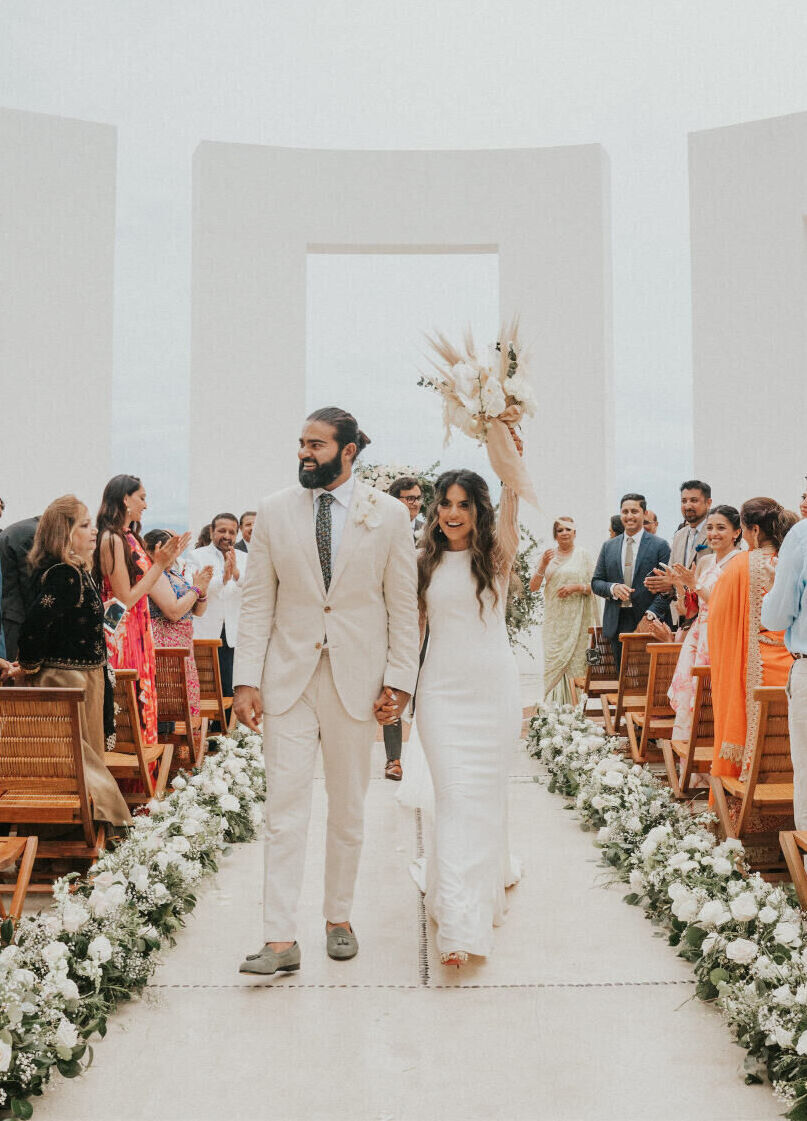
{"x": 62, "y": 645}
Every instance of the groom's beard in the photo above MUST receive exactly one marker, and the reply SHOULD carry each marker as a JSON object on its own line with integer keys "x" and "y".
{"x": 322, "y": 475}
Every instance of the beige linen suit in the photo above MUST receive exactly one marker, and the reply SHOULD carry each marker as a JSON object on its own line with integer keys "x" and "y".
{"x": 678, "y": 551}
{"x": 320, "y": 659}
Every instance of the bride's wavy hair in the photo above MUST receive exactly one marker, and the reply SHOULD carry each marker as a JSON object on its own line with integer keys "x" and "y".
{"x": 484, "y": 546}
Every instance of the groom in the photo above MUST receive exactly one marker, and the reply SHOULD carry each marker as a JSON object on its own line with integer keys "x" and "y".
{"x": 327, "y": 647}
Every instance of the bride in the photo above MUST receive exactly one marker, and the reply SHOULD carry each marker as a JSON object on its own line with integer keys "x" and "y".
{"x": 468, "y": 708}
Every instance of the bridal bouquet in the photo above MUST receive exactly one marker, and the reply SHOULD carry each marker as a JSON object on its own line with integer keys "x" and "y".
{"x": 486, "y": 396}
{"x": 480, "y": 388}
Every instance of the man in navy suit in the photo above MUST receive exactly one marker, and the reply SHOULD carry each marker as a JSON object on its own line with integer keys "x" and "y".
{"x": 620, "y": 572}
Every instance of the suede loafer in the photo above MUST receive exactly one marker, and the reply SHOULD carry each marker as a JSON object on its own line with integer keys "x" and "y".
{"x": 267, "y": 961}
{"x": 342, "y": 944}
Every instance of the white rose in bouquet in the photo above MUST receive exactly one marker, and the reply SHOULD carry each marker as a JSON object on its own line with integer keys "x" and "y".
{"x": 100, "y": 949}
{"x": 744, "y": 907}
{"x": 74, "y": 916}
{"x": 5, "y": 1054}
{"x": 492, "y": 398}
{"x": 713, "y": 913}
{"x": 742, "y": 950}
{"x": 66, "y": 1036}
{"x": 229, "y": 803}
{"x": 787, "y": 934}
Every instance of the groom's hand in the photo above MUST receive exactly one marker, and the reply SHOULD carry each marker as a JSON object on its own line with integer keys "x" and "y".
{"x": 248, "y": 706}
{"x": 390, "y": 705}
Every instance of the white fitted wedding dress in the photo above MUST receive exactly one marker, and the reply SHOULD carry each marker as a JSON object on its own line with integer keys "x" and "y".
{"x": 468, "y": 716}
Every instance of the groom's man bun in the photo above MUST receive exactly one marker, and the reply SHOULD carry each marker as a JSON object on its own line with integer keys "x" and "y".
{"x": 345, "y": 425}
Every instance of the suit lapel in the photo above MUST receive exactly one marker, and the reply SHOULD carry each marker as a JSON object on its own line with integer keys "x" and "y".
{"x": 303, "y": 518}
{"x": 641, "y": 553}
{"x": 351, "y": 534}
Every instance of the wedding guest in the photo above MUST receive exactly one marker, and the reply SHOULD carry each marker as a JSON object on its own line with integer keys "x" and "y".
{"x": 785, "y": 608}
{"x": 62, "y": 640}
{"x": 744, "y": 653}
{"x": 616, "y": 526}
{"x": 223, "y": 592}
{"x": 245, "y": 524}
{"x": 407, "y": 490}
{"x": 17, "y": 590}
{"x": 204, "y": 537}
{"x": 620, "y": 572}
{"x": 124, "y": 572}
{"x": 803, "y": 505}
{"x": 174, "y": 602}
{"x": 688, "y": 543}
{"x": 650, "y": 522}
{"x": 569, "y": 609}
{"x": 723, "y": 533}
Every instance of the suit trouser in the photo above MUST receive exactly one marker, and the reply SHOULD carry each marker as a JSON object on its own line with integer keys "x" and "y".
{"x": 627, "y": 623}
{"x": 393, "y": 740}
{"x": 797, "y": 723}
{"x": 317, "y": 719}
{"x": 226, "y": 656}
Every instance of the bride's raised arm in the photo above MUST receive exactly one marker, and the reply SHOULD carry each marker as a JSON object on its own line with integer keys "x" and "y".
{"x": 507, "y": 531}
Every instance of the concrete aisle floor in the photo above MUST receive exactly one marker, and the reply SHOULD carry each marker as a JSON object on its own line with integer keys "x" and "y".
{"x": 580, "y": 1014}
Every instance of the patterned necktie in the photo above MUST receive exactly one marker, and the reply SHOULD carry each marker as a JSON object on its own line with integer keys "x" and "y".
{"x": 627, "y": 573}
{"x": 690, "y": 549}
{"x": 323, "y": 531}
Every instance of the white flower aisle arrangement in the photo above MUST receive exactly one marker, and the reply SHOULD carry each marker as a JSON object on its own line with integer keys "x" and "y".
{"x": 67, "y": 968}
{"x": 746, "y": 938}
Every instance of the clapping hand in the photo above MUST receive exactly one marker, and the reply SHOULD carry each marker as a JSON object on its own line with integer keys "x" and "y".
{"x": 547, "y": 557}
{"x": 167, "y": 553}
{"x": 658, "y": 581}
{"x": 683, "y": 576}
{"x": 203, "y": 577}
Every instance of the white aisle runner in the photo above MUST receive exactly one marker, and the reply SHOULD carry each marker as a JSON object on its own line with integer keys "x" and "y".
{"x": 581, "y": 1013}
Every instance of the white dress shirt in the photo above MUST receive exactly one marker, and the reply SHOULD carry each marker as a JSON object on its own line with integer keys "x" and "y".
{"x": 636, "y": 538}
{"x": 223, "y": 600}
{"x": 339, "y": 508}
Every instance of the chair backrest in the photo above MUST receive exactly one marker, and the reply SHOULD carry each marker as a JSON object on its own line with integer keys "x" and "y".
{"x": 703, "y": 717}
{"x": 635, "y": 667}
{"x": 40, "y": 745}
{"x": 773, "y": 738}
{"x": 205, "y": 652}
{"x": 663, "y": 660}
{"x": 40, "y": 739}
{"x": 128, "y": 731}
{"x": 173, "y": 703}
{"x": 601, "y": 666}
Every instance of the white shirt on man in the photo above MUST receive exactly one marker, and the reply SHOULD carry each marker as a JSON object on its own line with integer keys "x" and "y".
{"x": 339, "y": 508}
{"x": 223, "y": 600}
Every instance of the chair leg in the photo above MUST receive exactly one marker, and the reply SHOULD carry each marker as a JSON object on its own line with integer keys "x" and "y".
{"x": 606, "y": 712}
{"x": 722, "y": 806}
{"x": 165, "y": 767}
{"x": 635, "y": 747}
{"x": 23, "y": 878}
{"x": 795, "y": 864}
{"x": 670, "y": 762}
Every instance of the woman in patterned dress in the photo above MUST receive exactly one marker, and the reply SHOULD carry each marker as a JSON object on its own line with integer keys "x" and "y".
{"x": 173, "y": 603}
{"x": 124, "y": 573}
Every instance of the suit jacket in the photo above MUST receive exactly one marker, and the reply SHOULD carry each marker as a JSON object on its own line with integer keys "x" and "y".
{"x": 223, "y": 600}
{"x": 18, "y": 591}
{"x": 242, "y": 546}
{"x": 678, "y": 553}
{"x": 369, "y": 613}
{"x": 608, "y": 570}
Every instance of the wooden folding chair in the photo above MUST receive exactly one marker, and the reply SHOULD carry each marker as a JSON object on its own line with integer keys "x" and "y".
{"x": 683, "y": 758}
{"x": 13, "y": 849}
{"x": 632, "y": 684}
{"x": 42, "y": 778}
{"x": 173, "y": 702}
{"x": 600, "y": 676}
{"x": 132, "y": 758}
{"x": 213, "y": 703}
{"x": 656, "y": 720}
{"x": 794, "y": 846}
{"x": 768, "y": 790}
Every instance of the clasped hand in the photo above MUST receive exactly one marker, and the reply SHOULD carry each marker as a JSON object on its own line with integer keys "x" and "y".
{"x": 623, "y": 592}
{"x": 390, "y": 705}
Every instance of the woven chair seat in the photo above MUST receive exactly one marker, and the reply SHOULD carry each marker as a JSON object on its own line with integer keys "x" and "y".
{"x": 127, "y": 760}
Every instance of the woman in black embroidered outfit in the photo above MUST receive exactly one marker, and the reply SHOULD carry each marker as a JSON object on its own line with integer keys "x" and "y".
{"x": 62, "y": 639}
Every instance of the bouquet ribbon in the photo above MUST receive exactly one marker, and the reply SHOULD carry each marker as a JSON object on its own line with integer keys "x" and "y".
{"x": 507, "y": 463}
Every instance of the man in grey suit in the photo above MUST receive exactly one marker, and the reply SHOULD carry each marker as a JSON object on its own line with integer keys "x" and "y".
{"x": 619, "y": 575}
{"x": 18, "y": 593}
{"x": 689, "y": 542}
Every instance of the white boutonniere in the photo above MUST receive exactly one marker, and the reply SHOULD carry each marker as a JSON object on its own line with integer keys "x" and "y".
{"x": 367, "y": 510}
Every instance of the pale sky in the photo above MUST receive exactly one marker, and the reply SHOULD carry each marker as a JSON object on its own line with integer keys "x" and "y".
{"x": 635, "y": 78}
